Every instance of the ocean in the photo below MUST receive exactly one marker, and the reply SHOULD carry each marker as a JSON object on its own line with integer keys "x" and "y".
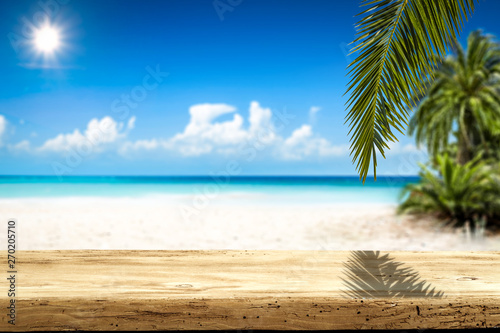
{"x": 270, "y": 189}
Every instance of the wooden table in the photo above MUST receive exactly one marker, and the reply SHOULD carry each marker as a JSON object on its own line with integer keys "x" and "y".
{"x": 286, "y": 290}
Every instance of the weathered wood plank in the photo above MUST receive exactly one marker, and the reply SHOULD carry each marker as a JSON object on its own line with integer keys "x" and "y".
{"x": 165, "y": 290}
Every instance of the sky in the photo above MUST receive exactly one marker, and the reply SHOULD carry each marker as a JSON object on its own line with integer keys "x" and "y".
{"x": 185, "y": 87}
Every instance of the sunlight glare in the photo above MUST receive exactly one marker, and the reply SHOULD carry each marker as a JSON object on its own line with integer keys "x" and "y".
{"x": 47, "y": 39}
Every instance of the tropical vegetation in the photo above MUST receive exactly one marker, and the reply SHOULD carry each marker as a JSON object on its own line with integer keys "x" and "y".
{"x": 463, "y": 100}
{"x": 457, "y": 194}
{"x": 399, "y": 45}
{"x": 457, "y": 119}
{"x": 404, "y": 63}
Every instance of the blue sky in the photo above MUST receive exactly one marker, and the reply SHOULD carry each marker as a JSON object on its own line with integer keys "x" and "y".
{"x": 185, "y": 87}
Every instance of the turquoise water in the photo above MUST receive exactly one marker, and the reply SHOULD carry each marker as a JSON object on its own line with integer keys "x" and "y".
{"x": 300, "y": 189}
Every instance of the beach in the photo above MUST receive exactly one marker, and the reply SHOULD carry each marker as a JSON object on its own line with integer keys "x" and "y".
{"x": 229, "y": 221}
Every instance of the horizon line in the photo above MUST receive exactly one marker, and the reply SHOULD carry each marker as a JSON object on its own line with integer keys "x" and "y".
{"x": 206, "y": 176}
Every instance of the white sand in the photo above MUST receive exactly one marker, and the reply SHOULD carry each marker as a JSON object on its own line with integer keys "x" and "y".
{"x": 157, "y": 223}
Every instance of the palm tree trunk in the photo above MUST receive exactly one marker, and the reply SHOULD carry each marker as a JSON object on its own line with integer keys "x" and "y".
{"x": 463, "y": 154}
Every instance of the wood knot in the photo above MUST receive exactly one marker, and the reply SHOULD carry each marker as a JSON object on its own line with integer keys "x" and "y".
{"x": 184, "y": 285}
{"x": 467, "y": 278}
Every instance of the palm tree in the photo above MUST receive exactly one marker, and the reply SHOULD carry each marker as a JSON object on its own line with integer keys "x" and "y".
{"x": 491, "y": 146}
{"x": 400, "y": 43}
{"x": 468, "y": 192}
{"x": 463, "y": 96}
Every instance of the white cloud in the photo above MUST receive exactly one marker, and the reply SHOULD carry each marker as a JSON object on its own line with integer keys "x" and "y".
{"x": 23, "y": 146}
{"x": 312, "y": 113}
{"x": 261, "y": 125}
{"x": 204, "y": 134}
{"x": 140, "y": 145}
{"x": 314, "y": 109}
{"x": 201, "y": 135}
{"x": 299, "y": 135}
{"x": 202, "y": 114}
{"x": 303, "y": 143}
{"x": 3, "y": 127}
{"x": 397, "y": 148}
{"x": 98, "y": 134}
{"x": 410, "y": 148}
{"x": 131, "y": 123}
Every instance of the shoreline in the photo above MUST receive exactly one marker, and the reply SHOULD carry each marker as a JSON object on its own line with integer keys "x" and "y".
{"x": 240, "y": 198}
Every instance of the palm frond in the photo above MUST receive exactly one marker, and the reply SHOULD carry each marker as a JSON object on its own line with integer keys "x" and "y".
{"x": 399, "y": 44}
{"x": 458, "y": 194}
{"x": 463, "y": 96}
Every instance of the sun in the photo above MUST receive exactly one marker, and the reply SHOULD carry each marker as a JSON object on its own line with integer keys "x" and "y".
{"x": 47, "y": 39}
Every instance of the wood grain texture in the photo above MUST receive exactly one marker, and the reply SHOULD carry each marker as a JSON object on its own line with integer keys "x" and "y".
{"x": 167, "y": 290}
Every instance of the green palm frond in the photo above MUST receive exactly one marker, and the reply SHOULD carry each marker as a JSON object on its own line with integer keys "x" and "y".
{"x": 400, "y": 43}
{"x": 461, "y": 193}
{"x": 465, "y": 96}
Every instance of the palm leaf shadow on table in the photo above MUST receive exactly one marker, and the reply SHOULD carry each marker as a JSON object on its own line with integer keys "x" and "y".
{"x": 372, "y": 275}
